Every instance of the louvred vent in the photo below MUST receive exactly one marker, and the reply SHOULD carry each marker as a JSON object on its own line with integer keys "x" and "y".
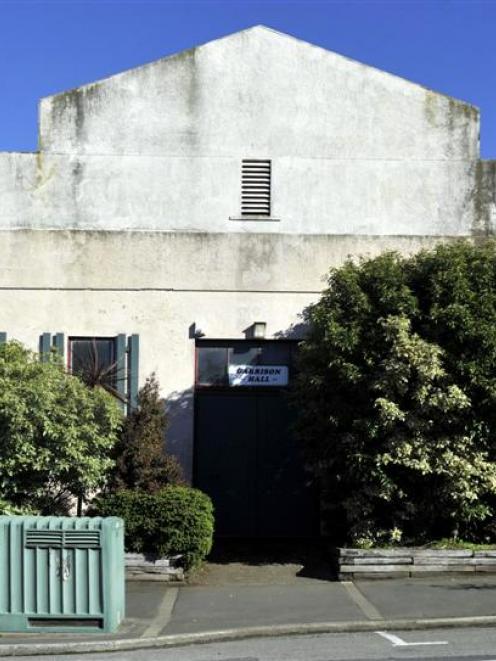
{"x": 51, "y": 538}
{"x": 255, "y": 187}
{"x": 63, "y": 538}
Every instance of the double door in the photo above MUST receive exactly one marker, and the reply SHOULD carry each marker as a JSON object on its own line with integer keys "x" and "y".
{"x": 248, "y": 461}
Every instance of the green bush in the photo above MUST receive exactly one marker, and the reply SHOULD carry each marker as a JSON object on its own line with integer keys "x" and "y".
{"x": 56, "y": 435}
{"x": 175, "y": 520}
{"x": 396, "y": 396}
{"x": 9, "y": 509}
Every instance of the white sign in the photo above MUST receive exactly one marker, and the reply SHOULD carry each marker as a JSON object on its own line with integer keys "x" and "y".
{"x": 258, "y": 375}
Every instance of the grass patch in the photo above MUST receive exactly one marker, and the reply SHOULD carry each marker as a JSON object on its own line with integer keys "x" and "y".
{"x": 455, "y": 544}
{"x": 440, "y": 544}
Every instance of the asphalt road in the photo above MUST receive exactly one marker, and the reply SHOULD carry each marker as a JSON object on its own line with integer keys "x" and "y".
{"x": 449, "y": 644}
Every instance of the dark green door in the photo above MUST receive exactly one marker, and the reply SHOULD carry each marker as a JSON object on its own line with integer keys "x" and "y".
{"x": 247, "y": 460}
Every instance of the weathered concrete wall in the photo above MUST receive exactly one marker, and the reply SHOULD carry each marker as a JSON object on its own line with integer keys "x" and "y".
{"x": 158, "y": 284}
{"x": 183, "y": 261}
{"x": 309, "y": 196}
{"x": 354, "y": 150}
{"x": 486, "y": 198}
{"x": 263, "y": 90}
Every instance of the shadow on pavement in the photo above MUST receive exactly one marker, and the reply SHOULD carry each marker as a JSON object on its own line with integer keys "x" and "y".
{"x": 312, "y": 556}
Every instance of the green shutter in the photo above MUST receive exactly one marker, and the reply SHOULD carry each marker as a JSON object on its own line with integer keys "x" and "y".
{"x": 45, "y": 342}
{"x": 3, "y": 337}
{"x": 120, "y": 361}
{"x": 133, "y": 362}
{"x": 58, "y": 343}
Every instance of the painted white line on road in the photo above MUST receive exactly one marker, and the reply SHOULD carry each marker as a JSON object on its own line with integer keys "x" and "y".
{"x": 360, "y": 600}
{"x": 398, "y": 642}
{"x": 163, "y": 616}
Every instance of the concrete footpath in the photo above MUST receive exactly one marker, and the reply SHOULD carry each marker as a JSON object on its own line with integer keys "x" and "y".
{"x": 235, "y": 600}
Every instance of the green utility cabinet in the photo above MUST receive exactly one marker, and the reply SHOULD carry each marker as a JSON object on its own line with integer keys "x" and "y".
{"x": 61, "y": 573}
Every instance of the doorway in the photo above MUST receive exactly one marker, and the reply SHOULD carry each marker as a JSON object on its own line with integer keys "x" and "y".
{"x": 246, "y": 457}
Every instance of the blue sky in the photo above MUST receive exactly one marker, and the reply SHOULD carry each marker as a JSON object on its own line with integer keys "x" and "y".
{"x": 47, "y": 46}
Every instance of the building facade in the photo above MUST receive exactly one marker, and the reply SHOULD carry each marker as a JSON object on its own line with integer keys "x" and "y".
{"x": 172, "y": 207}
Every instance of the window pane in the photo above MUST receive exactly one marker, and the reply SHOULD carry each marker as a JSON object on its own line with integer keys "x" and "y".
{"x": 93, "y": 360}
{"x": 244, "y": 355}
{"x": 212, "y": 366}
{"x": 275, "y": 354}
{"x": 218, "y": 361}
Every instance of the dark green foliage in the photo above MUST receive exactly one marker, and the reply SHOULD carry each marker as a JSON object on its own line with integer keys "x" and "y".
{"x": 457, "y": 291}
{"x": 141, "y": 459}
{"x": 397, "y": 395}
{"x": 175, "y": 520}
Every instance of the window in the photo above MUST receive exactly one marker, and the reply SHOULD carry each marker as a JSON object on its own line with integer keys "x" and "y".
{"x": 211, "y": 366}
{"x": 255, "y": 187}
{"x": 230, "y": 363}
{"x": 93, "y": 359}
{"x": 109, "y": 362}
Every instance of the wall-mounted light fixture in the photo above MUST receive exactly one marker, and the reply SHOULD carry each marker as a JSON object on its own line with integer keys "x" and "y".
{"x": 195, "y": 332}
{"x": 259, "y": 328}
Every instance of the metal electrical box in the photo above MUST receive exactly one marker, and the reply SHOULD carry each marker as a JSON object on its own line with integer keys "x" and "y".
{"x": 61, "y": 573}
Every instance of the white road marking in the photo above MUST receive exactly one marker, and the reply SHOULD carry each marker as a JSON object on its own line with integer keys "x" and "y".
{"x": 398, "y": 642}
{"x": 163, "y": 615}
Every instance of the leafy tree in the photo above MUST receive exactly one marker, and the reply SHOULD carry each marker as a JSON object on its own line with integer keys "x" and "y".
{"x": 396, "y": 395}
{"x": 55, "y": 434}
{"x": 142, "y": 461}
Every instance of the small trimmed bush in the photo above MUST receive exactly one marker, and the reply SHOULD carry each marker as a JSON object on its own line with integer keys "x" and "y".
{"x": 175, "y": 520}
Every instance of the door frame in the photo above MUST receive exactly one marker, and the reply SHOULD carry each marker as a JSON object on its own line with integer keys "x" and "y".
{"x": 242, "y": 392}
{"x": 239, "y": 391}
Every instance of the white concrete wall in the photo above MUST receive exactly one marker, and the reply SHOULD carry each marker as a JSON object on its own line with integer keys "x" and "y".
{"x": 162, "y": 320}
{"x": 182, "y": 261}
{"x": 158, "y": 284}
{"x": 354, "y": 150}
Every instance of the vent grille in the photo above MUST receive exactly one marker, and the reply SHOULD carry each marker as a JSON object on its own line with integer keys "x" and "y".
{"x": 82, "y": 538}
{"x": 51, "y": 538}
{"x": 255, "y": 187}
{"x": 67, "y": 539}
{"x": 93, "y": 623}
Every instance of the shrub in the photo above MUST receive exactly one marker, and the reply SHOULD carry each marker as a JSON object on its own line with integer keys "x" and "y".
{"x": 142, "y": 461}
{"x": 175, "y": 520}
{"x": 56, "y": 435}
{"x": 396, "y": 395}
{"x": 9, "y": 509}
{"x": 456, "y": 290}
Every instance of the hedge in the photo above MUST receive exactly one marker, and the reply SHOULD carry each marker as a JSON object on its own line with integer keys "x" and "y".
{"x": 175, "y": 520}
{"x": 396, "y": 397}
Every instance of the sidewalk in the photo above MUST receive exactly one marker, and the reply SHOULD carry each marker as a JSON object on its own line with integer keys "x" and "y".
{"x": 248, "y": 599}
{"x": 236, "y": 600}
